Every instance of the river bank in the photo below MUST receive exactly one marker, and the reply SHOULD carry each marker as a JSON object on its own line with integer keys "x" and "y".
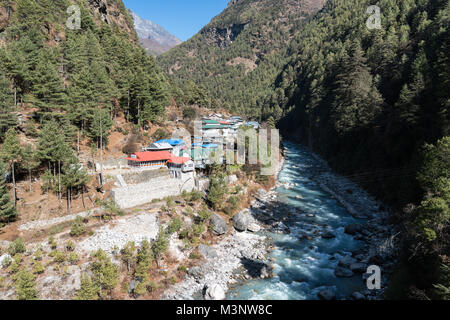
{"x": 314, "y": 242}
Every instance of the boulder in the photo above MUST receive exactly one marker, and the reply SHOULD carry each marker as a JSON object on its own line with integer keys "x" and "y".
{"x": 196, "y": 272}
{"x": 327, "y": 295}
{"x": 358, "y": 267}
{"x": 219, "y": 225}
{"x": 358, "y": 296}
{"x": 214, "y": 292}
{"x": 254, "y": 227}
{"x": 241, "y": 221}
{"x": 262, "y": 193}
{"x": 346, "y": 261}
{"x": 353, "y": 229}
{"x": 342, "y": 272}
{"x": 207, "y": 252}
{"x": 328, "y": 235}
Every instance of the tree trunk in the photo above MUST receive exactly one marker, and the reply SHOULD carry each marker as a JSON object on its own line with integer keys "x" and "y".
{"x": 68, "y": 201}
{"x": 15, "y": 94}
{"x": 31, "y": 183}
{"x": 59, "y": 180}
{"x": 14, "y": 183}
{"x": 82, "y": 196}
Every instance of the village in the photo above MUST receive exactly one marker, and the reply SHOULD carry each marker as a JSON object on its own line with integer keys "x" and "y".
{"x": 173, "y": 194}
{"x": 176, "y": 165}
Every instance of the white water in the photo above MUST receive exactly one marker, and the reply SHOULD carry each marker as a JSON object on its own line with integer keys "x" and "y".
{"x": 302, "y": 267}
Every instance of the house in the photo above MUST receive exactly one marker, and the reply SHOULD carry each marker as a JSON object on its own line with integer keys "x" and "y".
{"x": 163, "y": 146}
{"x": 177, "y": 165}
{"x": 155, "y": 159}
{"x": 178, "y": 145}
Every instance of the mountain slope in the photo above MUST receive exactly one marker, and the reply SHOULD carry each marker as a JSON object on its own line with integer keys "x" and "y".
{"x": 239, "y": 47}
{"x": 374, "y": 102}
{"x": 154, "y": 38}
{"x": 76, "y": 74}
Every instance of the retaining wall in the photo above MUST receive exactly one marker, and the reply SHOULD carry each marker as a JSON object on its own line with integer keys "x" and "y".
{"x": 157, "y": 188}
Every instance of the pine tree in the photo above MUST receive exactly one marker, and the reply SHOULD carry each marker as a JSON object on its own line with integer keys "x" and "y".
{"x": 75, "y": 177}
{"x": 7, "y": 118}
{"x": 11, "y": 153}
{"x": 47, "y": 87}
{"x": 29, "y": 162}
{"x": 25, "y": 285}
{"x": 88, "y": 290}
{"x": 7, "y": 209}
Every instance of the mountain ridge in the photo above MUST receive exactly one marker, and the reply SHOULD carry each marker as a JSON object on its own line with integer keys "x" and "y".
{"x": 153, "y": 37}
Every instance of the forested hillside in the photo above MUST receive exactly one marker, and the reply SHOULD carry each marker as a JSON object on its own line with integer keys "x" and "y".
{"x": 62, "y": 89}
{"x": 374, "y": 102}
{"x": 78, "y": 74}
{"x": 238, "y": 55}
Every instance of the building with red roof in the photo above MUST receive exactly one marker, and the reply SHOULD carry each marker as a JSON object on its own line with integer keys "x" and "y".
{"x": 158, "y": 159}
{"x": 149, "y": 159}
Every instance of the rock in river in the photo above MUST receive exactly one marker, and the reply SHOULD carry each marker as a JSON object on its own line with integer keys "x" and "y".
{"x": 353, "y": 229}
{"x": 358, "y": 267}
{"x": 343, "y": 272}
{"x": 327, "y": 295}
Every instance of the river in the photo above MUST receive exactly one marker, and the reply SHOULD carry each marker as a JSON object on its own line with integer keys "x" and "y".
{"x": 303, "y": 261}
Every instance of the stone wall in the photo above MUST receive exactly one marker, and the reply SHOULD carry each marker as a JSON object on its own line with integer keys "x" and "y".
{"x": 158, "y": 188}
{"x": 142, "y": 176}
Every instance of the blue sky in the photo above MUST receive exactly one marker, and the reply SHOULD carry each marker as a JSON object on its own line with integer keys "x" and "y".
{"x": 182, "y": 18}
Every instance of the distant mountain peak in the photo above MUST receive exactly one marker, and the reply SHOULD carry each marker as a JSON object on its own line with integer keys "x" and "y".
{"x": 154, "y": 38}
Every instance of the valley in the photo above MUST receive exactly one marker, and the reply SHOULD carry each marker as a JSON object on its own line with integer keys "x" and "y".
{"x": 134, "y": 165}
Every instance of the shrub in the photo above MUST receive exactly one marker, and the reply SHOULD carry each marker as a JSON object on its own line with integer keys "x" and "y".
{"x": 174, "y": 226}
{"x": 160, "y": 246}
{"x": 140, "y": 289}
{"x": 170, "y": 203}
{"x": 38, "y": 254}
{"x": 198, "y": 229}
{"x": 70, "y": 246}
{"x": 52, "y": 242}
{"x": 78, "y": 228}
{"x": 60, "y": 257}
{"x": 194, "y": 256}
{"x": 196, "y": 195}
{"x": 88, "y": 290}
{"x": 160, "y": 134}
{"x": 204, "y": 214}
{"x": 73, "y": 258}
{"x": 189, "y": 113}
{"x": 105, "y": 273}
{"x": 25, "y": 285}
{"x": 38, "y": 268}
{"x": 17, "y": 246}
{"x": 15, "y": 264}
{"x": 182, "y": 269}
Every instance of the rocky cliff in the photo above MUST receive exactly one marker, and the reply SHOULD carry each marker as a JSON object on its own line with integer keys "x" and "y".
{"x": 154, "y": 38}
